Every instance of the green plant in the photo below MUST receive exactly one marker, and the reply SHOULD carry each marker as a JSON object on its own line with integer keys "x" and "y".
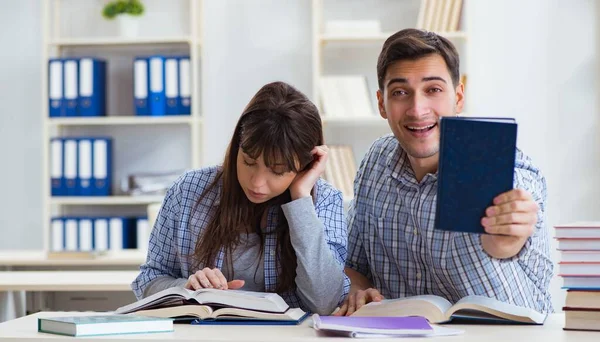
{"x": 114, "y": 8}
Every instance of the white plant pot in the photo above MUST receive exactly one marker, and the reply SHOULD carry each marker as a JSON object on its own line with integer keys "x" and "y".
{"x": 128, "y": 25}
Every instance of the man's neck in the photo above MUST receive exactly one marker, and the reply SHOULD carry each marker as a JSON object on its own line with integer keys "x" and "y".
{"x": 423, "y": 166}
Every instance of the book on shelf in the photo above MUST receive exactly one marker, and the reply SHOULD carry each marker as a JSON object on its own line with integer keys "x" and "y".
{"x": 373, "y": 327}
{"x": 579, "y": 268}
{"x": 578, "y": 230}
{"x": 346, "y": 96}
{"x": 440, "y": 15}
{"x": 583, "y": 299}
{"x": 216, "y": 305}
{"x": 579, "y": 244}
{"x": 581, "y": 282}
{"x": 341, "y": 169}
{"x": 476, "y": 164}
{"x": 437, "y": 309}
{"x": 352, "y": 27}
{"x": 582, "y": 319}
{"x": 104, "y": 325}
{"x": 580, "y": 256}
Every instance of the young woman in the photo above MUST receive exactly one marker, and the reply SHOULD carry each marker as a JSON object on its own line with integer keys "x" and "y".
{"x": 262, "y": 221}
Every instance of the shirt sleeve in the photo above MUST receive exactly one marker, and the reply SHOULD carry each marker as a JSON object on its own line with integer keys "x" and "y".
{"x": 162, "y": 259}
{"x": 318, "y": 234}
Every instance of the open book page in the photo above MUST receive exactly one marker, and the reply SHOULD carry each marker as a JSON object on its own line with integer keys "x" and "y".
{"x": 431, "y": 307}
{"x": 170, "y": 297}
{"x": 199, "y": 311}
{"x": 482, "y": 307}
{"x": 290, "y": 315}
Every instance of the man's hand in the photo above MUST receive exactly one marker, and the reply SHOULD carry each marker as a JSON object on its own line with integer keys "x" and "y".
{"x": 357, "y": 299}
{"x": 510, "y": 221}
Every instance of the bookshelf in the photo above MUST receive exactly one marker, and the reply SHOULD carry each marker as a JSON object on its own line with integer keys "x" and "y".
{"x": 74, "y": 28}
{"x": 342, "y": 52}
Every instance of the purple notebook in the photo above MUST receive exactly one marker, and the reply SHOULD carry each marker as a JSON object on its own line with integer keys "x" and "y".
{"x": 379, "y": 325}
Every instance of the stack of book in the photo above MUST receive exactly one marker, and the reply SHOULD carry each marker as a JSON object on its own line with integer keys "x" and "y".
{"x": 579, "y": 266}
{"x": 440, "y": 15}
{"x": 341, "y": 169}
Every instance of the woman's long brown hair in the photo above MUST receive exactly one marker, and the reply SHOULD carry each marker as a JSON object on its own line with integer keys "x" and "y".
{"x": 283, "y": 125}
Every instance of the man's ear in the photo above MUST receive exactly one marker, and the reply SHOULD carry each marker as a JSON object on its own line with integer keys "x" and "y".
{"x": 460, "y": 97}
{"x": 381, "y": 104}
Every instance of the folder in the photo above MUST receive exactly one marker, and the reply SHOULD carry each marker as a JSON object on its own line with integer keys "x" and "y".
{"x": 57, "y": 233}
{"x": 172, "y": 85}
{"x": 102, "y": 167}
{"x": 101, "y": 234}
{"x": 143, "y": 233}
{"x": 122, "y": 234}
{"x": 157, "y": 86}
{"x": 70, "y": 78}
{"x": 84, "y": 164}
{"x": 70, "y": 169}
{"x": 57, "y": 178}
{"x": 185, "y": 85}
{"x": 92, "y": 87}
{"x": 55, "y": 87}
{"x": 140, "y": 86}
{"x": 71, "y": 234}
{"x": 85, "y": 234}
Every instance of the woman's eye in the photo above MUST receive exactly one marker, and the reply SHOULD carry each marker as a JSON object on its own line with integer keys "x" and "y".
{"x": 249, "y": 164}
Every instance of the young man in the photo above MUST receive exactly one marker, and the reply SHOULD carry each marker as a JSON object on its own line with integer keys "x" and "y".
{"x": 394, "y": 250}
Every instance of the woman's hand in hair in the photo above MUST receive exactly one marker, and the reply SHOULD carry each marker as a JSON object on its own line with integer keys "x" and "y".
{"x": 211, "y": 278}
{"x": 306, "y": 179}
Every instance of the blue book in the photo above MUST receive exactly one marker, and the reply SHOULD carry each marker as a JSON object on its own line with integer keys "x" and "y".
{"x": 70, "y": 147}
{"x": 71, "y": 234}
{"x": 104, "y": 325}
{"x": 172, "y": 85}
{"x": 71, "y": 85}
{"x": 55, "y": 87}
{"x": 158, "y": 99}
{"x": 184, "y": 102}
{"x": 92, "y": 87}
{"x": 57, "y": 233}
{"x": 476, "y": 164}
{"x": 102, "y": 166}
{"x": 84, "y": 166}
{"x": 122, "y": 233}
{"x": 57, "y": 166}
{"x": 141, "y": 87}
{"x": 85, "y": 234}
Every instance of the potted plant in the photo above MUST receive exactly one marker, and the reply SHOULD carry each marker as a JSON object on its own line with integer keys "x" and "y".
{"x": 126, "y": 13}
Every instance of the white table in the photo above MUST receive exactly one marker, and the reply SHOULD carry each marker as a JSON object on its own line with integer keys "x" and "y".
{"x": 37, "y": 258}
{"x": 25, "y": 329}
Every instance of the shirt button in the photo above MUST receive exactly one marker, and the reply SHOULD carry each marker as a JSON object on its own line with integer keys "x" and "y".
{"x": 419, "y": 275}
{"x": 415, "y": 231}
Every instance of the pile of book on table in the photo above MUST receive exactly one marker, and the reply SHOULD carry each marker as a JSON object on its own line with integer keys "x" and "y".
{"x": 579, "y": 266}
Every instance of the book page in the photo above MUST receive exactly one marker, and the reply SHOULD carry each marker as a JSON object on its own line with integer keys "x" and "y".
{"x": 200, "y": 311}
{"x": 431, "y": 307}
{"x": 290, "y": 315}
{"x": 496, "y": 308}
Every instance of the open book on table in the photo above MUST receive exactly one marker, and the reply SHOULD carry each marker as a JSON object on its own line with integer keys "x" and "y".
{"x": 212, "y": 304}
{"x": 439, "y": 310}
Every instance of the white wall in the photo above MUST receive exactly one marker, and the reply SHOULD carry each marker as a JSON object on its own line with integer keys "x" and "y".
{"x": 535, "y": 60}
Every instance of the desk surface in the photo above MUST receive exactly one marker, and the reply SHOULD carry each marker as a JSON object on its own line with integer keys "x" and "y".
{"x": 25, "y": 329}
{"x": 38, "y": 258}
{"x": 66, "y": 280}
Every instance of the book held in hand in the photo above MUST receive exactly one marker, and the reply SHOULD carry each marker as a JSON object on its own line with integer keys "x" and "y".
{"x": 216, "y": 305}
{"x": 104, "y": 325}
{"x": 439, "y": 310}
{"x": 476, "y": 164}
{"x": 379, "y": 326}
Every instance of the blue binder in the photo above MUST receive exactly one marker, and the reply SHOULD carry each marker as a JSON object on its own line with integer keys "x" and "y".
{"x": 122, "y": 233}
{"x": 102, "y": 166}
{"x": 101, "y": 241}
{"x": 92, "y": 87}
{"x": 158, "y": 100}
{"x": 70, "y": 86}
{"x": 85, "y": 166}
{"x": 71, "y": 234}
{"x": 141, "y": 86}
{"x": 185, "y": 85}
{"x": 70, "y": 166}
{"x": 57, "y": 166}
{"x": 85, "y": 234}
{"x": 55, "y": 87}
{"x": 57, "y": 234}
{"x": 172, "y": 85}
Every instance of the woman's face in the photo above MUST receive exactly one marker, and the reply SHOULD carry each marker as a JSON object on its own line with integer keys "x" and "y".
{"x": 259, "y": 182}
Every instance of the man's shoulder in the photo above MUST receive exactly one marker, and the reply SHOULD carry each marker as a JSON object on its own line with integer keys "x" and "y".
{"x": 383, "y": 147}
{"x": 524, "y": 164}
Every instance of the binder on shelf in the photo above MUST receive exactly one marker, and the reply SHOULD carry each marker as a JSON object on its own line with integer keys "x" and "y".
{"x": 92, "y": 87}
{"x": 185, "y": 85}
{"x": 57, "y": 178}
{"x": 140, "y": 86}
{"x": 102, "y": 167}
{"x": 55, "y": 87}
{"x": 172, "y": 86}
{"x": 157, "y": 86}
{"x": 70, "y": 168}
{"x": 71, "y": 234}
{"x": 57, "y": 233}
{"x": 122, "y": 234}
{"x": 70, "y": 78}
{"x": 101, "y": 234}
{"x": 85, "y": 234}
{"x": 143, "y": 233}
{"x": 85, "y": 164}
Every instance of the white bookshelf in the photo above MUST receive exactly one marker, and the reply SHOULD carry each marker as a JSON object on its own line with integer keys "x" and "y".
{"x": 334, "y": 54}
{"x": 181, "y": 133}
